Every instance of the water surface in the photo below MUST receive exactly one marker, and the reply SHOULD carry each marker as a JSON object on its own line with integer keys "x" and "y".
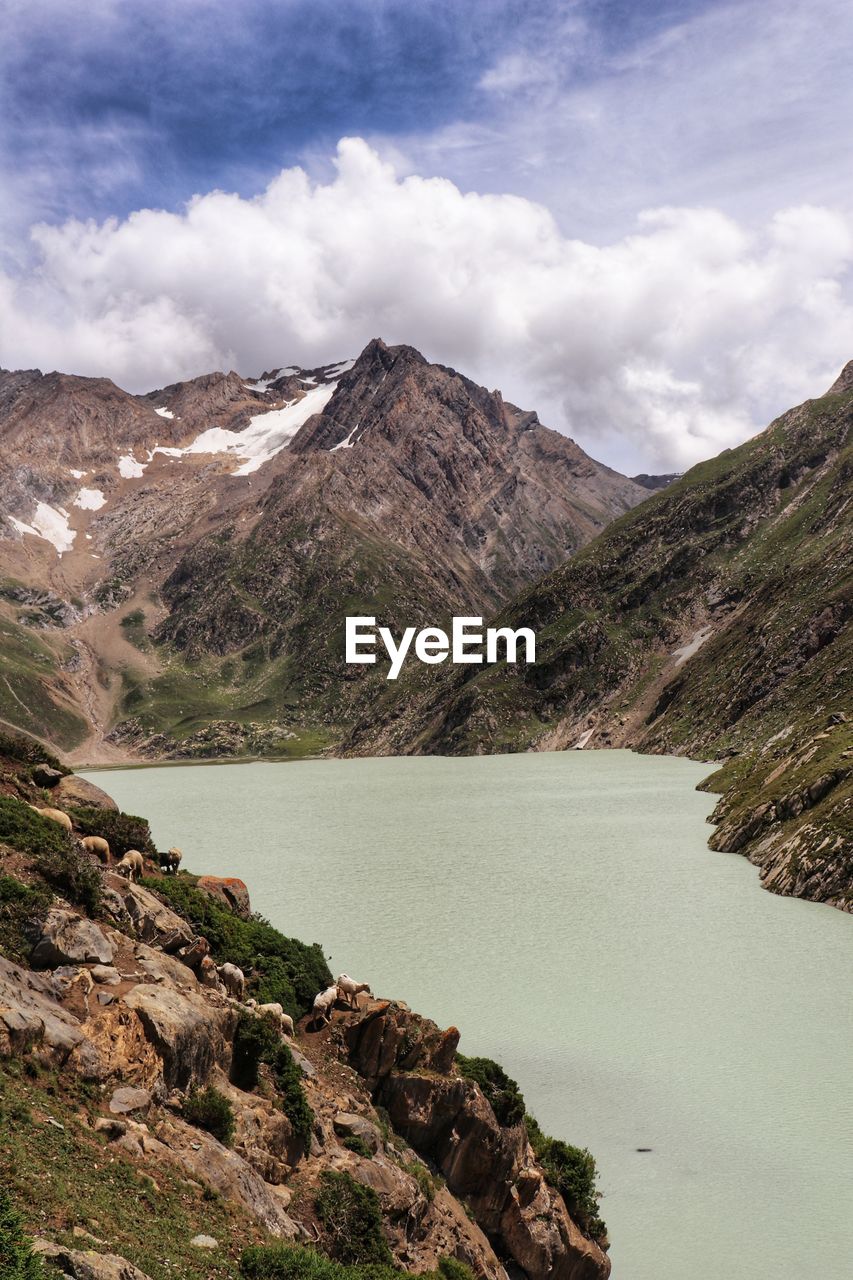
{"x": 565, "y": 911}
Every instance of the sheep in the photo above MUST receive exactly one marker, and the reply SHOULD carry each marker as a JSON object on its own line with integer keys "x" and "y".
{"x": 234, "y": 979}
{"x": 170, "y": 861}
{"x": 55, "y": 815}
{"x": 324, "y": 1003}
{"x": 283, "y": 1020}
{"x": 131, "y": 865}
{"x": 97, "y": 845}
{"x": 348, "y": 989}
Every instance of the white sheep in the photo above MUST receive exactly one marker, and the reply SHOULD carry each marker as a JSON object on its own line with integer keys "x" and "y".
{"x": 131, "y": 865}
{"x": 283, "y": 1020}
{"x": 55, "y": 815}
{"x": 324, "y": 1003}
{"x": 97, "y": 845}
{"x": 348, "y": 989}
{"x": 234, "y": 980}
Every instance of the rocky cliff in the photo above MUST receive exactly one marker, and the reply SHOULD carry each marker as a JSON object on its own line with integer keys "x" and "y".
{"x": 156, "y": 1123}
{"x": 175, "y": 569}
{"x": 714, "y": 621}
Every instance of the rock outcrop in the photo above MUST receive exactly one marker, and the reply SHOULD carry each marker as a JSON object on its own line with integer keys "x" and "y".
{"x": 229, "y": 891}
{"x": 128, "y": 1015}
{"x": 408, "y": 1063}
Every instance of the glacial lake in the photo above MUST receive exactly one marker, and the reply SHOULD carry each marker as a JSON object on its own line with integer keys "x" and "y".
{"x": 566, "y": 913}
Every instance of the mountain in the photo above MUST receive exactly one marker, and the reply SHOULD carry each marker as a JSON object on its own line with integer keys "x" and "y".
{"x": 714, "y": 621}
{"x": 175, "y": 568}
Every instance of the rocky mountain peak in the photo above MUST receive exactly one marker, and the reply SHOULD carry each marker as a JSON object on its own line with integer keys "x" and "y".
{"x": 844, "y": 381}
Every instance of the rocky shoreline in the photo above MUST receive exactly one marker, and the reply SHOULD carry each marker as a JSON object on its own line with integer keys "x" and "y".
{"x": 118, "y": 1005}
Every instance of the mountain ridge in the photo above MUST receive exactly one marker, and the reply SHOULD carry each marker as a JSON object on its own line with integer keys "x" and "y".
{"x": 211, "y": 535}
{"x": 714, "y": 621}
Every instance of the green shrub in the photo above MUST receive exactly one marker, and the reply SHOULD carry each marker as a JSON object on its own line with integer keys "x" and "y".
{"x": 209, "y": 1109}
{"x": 26, "y": 750}
{"x": 352, "y": 1218}
{"x": 453, "y": 1269}
{"x": 503, "y": 1093}
{"x": 572, "y": 1172}
{"x": 294, "y": 1104}
{"x": 353, "y": 1142}
{"x": 289, "y": 1262}
{"x": 52, "y": 851}
{"x": 17, "y": 1260}
{"x": 123, "y": 831}
{"x": 427, "y": 1181}
{"x": 23, "y": 907}
{"x": 280, "y": 970}
{"x": 255, "y": 1041}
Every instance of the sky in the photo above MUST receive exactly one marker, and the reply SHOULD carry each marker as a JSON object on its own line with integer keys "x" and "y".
{"x": 636, "y": 218}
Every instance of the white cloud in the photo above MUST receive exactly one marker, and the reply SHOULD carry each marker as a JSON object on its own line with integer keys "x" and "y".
{"x": 657, "y": 349}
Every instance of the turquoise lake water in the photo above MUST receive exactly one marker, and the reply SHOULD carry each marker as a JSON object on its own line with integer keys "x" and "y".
{"x": 565, "y": 911}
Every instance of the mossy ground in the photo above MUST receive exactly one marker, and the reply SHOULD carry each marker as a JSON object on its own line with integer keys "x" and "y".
{"x": 61, "y": 1175}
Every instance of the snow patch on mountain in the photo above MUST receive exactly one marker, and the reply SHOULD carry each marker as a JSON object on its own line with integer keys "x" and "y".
{"x": 129, "y": 468}
{"x": 50, "y": 523}
{"x": 164, "y": 412}
{"x": 90, "y": 499}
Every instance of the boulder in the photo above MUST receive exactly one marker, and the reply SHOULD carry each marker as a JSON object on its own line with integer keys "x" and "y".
{"x": 127, "y": 1100}
{"x": 78, "y": 792}
{"x": 106, "y": 974}
{"x": 44, "y": 775}
{"x": 228, "y": 891}
{"x": 349, "y": 1125}
{"x": 188, "y": 1034}
{"x": 204, "y": 1242}
{"x": 157, "y": 966}
{"x": 389, "y": 1036}
{"x": 31, "y": 1016}
{"x": 491, "y": 1167}
{"x": 541, "y": 1237}
{"x": 86, "y": 1264}
{"x": 68, "y": 938}
{"x": 205, "y": 1160}
{"x": 154, "y": 922}
{"x": 448, "y": 1121}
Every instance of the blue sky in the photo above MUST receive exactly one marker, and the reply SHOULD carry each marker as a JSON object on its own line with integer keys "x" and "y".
{"x": 112, "y": 106}
{"x": 679, "y": 169}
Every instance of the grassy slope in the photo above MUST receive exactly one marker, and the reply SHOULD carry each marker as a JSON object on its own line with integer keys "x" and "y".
{"x": 758, "y": 545}
{"x": 31, "y": 695}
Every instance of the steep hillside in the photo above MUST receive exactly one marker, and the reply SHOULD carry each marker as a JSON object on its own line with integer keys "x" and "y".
{"x": 712, "y": 621}
{"x": 151, "y": 1073}
{"x": 175, "y": 568}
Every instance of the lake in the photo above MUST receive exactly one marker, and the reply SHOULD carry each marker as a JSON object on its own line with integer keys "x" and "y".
{"x": 565, "y": 912}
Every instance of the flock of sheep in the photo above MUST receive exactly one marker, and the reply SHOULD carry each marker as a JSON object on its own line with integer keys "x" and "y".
{"x": 132, "y": 865}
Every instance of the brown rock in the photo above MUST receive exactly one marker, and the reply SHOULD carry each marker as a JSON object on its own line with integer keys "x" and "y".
{"x": 154, "y": 922}
{"x": 541, "y": 1237}
{"x": 86, "y": 1264}
{"x": 188, "y": 1034}
{"x": 127, "y": 1100}
{"x": 349, "y": 1125}
{"x": 207, "y": 1161}
{"x": 68, "y": 938}
{"x": 31, "y": 1016}
{"x": 229, "y": 892}
{"x": 449, "y": 1121}
{"x": 83, "y": 794}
